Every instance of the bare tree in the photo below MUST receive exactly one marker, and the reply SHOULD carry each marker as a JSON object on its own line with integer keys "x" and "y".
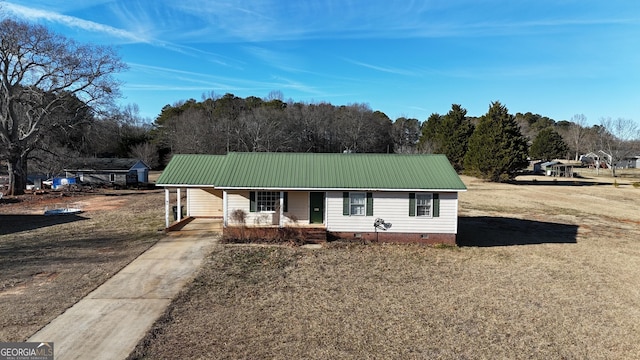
{"x": 192, "y": 132}
{"x": 264, "y": 129}
{"x": 38, "y": 70}
{"x": 359, "y": 129}
{"x": 146, "y": 152}
{"x": 405, "y": 134}
{"x": 619, "y": 141}
{"x": 319, "y": 131}
{"x": 576, "y": 133}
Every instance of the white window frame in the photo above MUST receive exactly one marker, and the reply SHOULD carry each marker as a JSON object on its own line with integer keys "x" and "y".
{"x": 424, "y": 205}
{"x": 361, "y": 205}
{"x": 267, "y": 201}
{"x": 112, "y": 177}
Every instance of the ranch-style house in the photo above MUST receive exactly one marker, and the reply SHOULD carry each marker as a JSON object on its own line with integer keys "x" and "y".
{"x": 384, "y": 197}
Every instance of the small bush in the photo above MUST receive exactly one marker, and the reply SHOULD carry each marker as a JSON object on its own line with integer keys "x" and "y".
{"x": 293, "y": 218}
{"x": 239, "y": 216}
{"x": 636, "y": 184}
{"x": 615, "y": 183}
{"x": 262, "y": 219}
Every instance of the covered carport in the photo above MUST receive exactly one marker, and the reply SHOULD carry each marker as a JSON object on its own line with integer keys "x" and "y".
{"x": 189, "y": 184}
{"x": 200, "y": 203}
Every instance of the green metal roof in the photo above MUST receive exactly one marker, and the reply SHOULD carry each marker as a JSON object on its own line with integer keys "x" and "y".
{"x": 314, "y": 171}
{"x": 195, "y": 170}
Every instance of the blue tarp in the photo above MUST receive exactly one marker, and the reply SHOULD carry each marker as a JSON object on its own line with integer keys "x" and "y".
{"x": 60, "y": 182}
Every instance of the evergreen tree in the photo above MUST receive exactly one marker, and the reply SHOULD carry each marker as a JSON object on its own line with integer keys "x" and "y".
{"x": 497, "y": 149}
{"x": 456, "y": 129}
{"x": 548, "y": 145}
{"x": 431, "y": 138}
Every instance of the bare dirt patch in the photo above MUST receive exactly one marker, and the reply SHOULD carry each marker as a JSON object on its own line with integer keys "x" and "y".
{"x": 48, "y": 263}
{"x": 546, "y": 271}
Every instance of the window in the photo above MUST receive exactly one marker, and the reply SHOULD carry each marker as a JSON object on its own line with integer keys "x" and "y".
{"x": 268, "y": 200}
{"x": 112, "y": 177}
{"x": 423, "y": 204}
{"x": 357, "y": 203}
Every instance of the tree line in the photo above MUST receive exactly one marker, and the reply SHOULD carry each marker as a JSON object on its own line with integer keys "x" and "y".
{"x": 57, "y": 103}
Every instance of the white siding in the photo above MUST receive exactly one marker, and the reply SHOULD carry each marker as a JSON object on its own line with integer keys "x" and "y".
{"x": 393, "y": 207}
{"x": 240, "y": 200}
{"x": 298, "y": 206}
{"x": 204, "y": 202}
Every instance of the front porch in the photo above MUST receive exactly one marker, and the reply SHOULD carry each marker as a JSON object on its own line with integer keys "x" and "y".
{"x": 260, "y": 209}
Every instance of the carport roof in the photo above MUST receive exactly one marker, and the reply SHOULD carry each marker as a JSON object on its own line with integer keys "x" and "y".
{"x": 308, "y": 171}
{"x": 192, "y": 170}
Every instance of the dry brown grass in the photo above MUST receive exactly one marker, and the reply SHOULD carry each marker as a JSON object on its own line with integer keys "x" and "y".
{"x": 571, "y": 291}
{"x": 48, "y": 263}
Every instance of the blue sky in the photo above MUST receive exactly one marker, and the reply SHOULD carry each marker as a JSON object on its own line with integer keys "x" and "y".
{"x": 406, "y": 58}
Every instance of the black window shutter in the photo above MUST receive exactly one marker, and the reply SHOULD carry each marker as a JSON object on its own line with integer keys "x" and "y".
{"x": 412, "y": 204}
{"x": 369, "y": 204}
{"x": 436, "y": 205}
{"x": 252, "y": 201}
{"x": 286, "y": 202}
{"x": 345, "y": 203}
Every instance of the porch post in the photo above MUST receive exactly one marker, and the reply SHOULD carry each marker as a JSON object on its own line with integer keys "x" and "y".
{"x": 179, "y": 210}
{"x": 166, "y": 207}
{"x": 188, "y": 213}
{"x": 281, "y": 210}
{"x": 225, "y": 207}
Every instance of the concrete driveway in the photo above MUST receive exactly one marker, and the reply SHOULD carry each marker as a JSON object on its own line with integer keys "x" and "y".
{"x": 110, "y": 321}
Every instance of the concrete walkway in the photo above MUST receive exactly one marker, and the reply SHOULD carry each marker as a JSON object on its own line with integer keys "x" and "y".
{"x": 110, "y": 321}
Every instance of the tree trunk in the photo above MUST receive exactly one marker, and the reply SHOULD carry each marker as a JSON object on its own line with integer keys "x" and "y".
{"x": 17, "y": 166}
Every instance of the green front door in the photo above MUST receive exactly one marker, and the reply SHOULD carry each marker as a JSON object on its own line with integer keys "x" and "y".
{"x": 316, "y": 207}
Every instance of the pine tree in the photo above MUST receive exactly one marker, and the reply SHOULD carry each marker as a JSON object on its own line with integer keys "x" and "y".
{"x": 456, "y": 130}
{"x": 431, "y": 138}
{"x": 497, "y": 149}
{"x": 548, "y": 145}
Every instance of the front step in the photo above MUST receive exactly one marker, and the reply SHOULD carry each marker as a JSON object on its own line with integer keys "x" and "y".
{"x": 315, "y": 235}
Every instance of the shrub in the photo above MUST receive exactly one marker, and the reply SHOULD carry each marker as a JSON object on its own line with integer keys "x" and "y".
{"x": 636, "y": 184}
{"x": 264, "y": 235}
{"x": 615, "y": 183}
{"x": 239, "y": 216}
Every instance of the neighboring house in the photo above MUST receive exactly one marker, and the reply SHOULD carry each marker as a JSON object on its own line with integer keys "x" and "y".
{"x": 560, "y": 170}
{"x": 555, "y": 168}
{"x": 537, "y": 166}
{"x": 590, "y": 159}
{"x": 546, "y": 167}
{"x": 346, "y": 194}
{"x": 105, "y": 171}
{"x": 627, "y": 162}
{"x": 630, "y": 162}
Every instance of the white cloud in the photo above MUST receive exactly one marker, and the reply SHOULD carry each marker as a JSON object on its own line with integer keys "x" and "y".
{"x": 70, "y": 21}
{"x": 389, "y": 70}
